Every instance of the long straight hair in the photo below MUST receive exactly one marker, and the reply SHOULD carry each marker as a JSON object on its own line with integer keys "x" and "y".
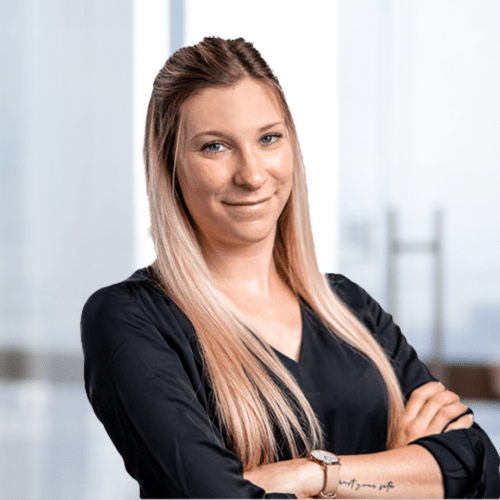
{"x": 258, "y": 403}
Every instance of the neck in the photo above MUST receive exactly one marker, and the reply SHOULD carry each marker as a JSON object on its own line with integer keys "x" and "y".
{"x": 243, "y": 269}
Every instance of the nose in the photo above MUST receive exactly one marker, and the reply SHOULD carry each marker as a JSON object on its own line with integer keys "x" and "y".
{"x": 250, "y": 171}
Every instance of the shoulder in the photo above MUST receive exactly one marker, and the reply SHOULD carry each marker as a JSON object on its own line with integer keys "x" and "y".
{"x": 368, "y": 311}
{"x": 137, "y": 296}
{"x": 349, "y": 292}
{"x": 109, "y": 311}
{"x": 363, "y": 306}
{"x": 360, "y": 303}
{"x": 135, "y": 290}
{"x": 134, "y": 311}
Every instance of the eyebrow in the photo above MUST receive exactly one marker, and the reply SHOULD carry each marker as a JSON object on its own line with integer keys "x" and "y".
{"x": 218, "y": 133}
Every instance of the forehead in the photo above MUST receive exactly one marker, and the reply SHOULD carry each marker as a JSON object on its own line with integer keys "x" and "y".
{"x": 244, "y": 107}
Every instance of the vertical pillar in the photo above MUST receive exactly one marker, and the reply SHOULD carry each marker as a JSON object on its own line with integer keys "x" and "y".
{"x": 176, "y": 25}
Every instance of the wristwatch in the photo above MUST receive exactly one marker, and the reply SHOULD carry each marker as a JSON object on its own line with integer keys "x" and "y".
{"x": 331, "y": 464}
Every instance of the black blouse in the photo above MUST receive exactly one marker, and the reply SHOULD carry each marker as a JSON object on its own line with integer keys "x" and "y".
{"x": 144, "y": 379}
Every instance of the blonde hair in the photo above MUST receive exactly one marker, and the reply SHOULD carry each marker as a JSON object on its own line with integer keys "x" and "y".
{"x": 258, "y": 403}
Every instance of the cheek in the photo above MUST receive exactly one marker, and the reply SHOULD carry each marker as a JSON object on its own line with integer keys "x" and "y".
{"x": 282, "y": 165}
{"x": 200, "y": 186}
{"x": 198, "y": 180}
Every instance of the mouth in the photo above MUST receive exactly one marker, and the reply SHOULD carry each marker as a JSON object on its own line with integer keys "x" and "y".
{"x": 247, "y": 203}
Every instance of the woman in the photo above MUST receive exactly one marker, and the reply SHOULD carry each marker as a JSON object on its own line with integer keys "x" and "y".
{"x": 220, "y": 369}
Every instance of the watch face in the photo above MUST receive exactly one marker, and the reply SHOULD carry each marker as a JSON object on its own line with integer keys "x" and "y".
{"x": 325, "y": 456}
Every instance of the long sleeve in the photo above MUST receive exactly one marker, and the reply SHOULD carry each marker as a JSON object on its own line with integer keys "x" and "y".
{"x": 144, "y": 381}
{"x": 467, "y": 458}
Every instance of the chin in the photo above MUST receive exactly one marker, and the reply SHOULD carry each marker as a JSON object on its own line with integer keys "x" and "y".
{"x": 248, "y": 235}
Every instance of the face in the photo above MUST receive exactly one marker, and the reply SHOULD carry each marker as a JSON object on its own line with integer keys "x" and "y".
{"x": 235, "y": 163}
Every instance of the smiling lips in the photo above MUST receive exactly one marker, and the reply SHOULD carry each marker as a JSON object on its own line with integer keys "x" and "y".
{"x": 246, "y": 203}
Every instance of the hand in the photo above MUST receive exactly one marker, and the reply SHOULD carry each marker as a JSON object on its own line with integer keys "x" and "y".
{"x": 301, "y": 476}
{"x": 428, "y": 411}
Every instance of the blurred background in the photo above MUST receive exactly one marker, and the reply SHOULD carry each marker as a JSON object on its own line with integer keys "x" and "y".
{"x": 398, "y": 113}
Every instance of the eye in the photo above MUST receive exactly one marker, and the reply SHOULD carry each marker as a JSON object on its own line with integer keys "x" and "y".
{"x": 213, "y": 147}
{"x": 270, "y": 138}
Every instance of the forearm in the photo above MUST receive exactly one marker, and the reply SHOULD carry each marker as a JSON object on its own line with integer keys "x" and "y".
{"x": 409, "y": 472}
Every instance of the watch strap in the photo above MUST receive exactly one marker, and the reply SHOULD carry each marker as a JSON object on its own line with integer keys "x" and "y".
{"x": 332, "y": 477}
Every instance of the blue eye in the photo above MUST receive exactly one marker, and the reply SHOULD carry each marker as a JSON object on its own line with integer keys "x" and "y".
{"x": 270, "y": 138}
{"x": 213, "y": 147}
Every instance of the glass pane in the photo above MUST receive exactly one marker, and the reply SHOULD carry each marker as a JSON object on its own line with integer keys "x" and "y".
{"x": 419, "y": 127}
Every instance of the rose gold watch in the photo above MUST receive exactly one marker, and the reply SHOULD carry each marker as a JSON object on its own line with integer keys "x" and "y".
{"x": 331, "y": 465}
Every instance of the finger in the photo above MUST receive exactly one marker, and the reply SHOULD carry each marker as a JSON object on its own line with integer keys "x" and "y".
{"x": 419, "y": 397}
{"x": 464, "y": 422}
{"x": 437, "y": 411}
{"x": 447, "y": 414}
{"x": 453, "y": 420}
